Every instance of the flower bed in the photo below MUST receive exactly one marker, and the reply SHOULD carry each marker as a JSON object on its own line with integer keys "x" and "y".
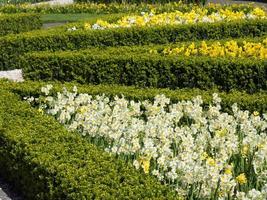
{"x": 194, "y": 16}
{"x": 217, "y": 49}
{"x": 201, "y": 153}
{"x": 45, "y": 161}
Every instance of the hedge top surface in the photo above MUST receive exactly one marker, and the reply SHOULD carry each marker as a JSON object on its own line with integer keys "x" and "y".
{"x": 251, "y": 102}
{"x": 17, "y": 23}
{"x": 112, "y": 66}
{"x": 70, "y": 167}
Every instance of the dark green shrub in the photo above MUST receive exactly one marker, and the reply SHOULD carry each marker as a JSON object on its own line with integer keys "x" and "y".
{"x": 113, "y": 66}
{"x": 45, "y": 161}
{"x": 17, "y": 23}
{"x": 13, "y": 46}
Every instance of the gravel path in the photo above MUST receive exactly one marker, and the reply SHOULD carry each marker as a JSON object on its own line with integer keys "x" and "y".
{"x": 53, "y": 24}
{"x": 7, "y": 192}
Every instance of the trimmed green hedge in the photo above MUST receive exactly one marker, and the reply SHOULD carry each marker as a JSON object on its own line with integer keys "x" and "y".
{"x": 45, "y": 161}
{"x": 96, "y": 8}
{"x": 4, "y": 2}
{"x": 251, "y": 102}
{"x": 125, "y": 1}
{"x": 117, "y": 66}
{"x": 13, "y": 46}
{"x": 17, "y": 23}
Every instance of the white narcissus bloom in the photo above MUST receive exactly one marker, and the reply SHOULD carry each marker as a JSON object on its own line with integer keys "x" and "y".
{"x": 182, "y": 144}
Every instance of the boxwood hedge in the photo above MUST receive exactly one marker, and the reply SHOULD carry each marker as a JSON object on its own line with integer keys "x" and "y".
{"x": 16, "y": 23}
{"x": 13, "y": 46}
{"x": 99, "y": 8}
{"x": 45, "y": 161}
{"x": 251, "y": 102}
{"x": 147, "y": 70}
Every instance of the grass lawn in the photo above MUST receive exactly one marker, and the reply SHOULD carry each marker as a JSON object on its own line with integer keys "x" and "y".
{"x": 69, "y": 17}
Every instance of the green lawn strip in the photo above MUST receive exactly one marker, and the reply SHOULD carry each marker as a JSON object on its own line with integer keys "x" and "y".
{"x": 251, "y": 102}
{"x": 88, "y": 17}
{"x": 45, "y": 161}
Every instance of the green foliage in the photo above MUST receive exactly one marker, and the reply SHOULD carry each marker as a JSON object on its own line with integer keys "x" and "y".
{"x": 198, "y": 2}
{"x": 14, "y": 46}
{"x": 119, "y": 66}
{"x": 251, "y": 102}
{"x": 125, "y": 1}
{"x": 4, "y": 2}
{"x": 97, "y": 8}
{"x": 16, "y": 23}
{"x": 47, "y": 162}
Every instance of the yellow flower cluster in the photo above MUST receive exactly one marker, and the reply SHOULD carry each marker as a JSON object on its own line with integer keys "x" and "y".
{"x": 145, "y": 163}
{"x": 216, "y": 49}
{"x": 241, "y": 179}
{"x": 196, "y": 15}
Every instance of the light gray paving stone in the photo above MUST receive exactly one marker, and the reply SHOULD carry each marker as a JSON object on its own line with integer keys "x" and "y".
{"x": 14, "y": 75}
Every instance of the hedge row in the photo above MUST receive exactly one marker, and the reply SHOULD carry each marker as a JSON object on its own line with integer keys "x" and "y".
{"x": 4, "y": 2}
{"x": 45, "y": 161}
{"x": 146, "y": 70}
{"x": 16, "y": 23}
{"x": 251, "y": 102}
{"x": 98, "y": 8}
{"x": 13, "y": 46}
{"x": 128, "y": 1}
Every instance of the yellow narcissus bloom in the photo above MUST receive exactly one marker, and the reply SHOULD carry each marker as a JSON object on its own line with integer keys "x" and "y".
{"x": 40, "y": 110}
{"x": 241, "y": 179}
{"x": 82, "y": 109}
{"x": 145, "y": 163}
{"x": 211, "y": 161}
{"x": 216, "y": 49}
{"x": 204, "y": 156}
{"x": 221, "y": 133}
{"x": 256, "y": 113}
{"x": 258, "y": 12}
{"x": 203, "y": 50}
{"x": 87, "y": 26}
{"x": 245, "y": 150}
{"x": 103, "y": 23}
{"x": 228, "y": 170}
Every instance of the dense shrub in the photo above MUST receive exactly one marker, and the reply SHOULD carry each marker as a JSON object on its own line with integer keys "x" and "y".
{"x": 251, "y": 102}
{"x": 98, "y": 8}
{"x": 13, "y": 46}
{"x": 16, "y": 23}
{"x": 202, "y": 2}
{"x": 4, "y": 2}
{"x": 147, "y": 70}
{"x": 47, "y": 162}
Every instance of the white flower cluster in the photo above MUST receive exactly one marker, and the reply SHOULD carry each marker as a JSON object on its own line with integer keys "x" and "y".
{"x": 174, "y": 18}
{"x": 200, "y": 152}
